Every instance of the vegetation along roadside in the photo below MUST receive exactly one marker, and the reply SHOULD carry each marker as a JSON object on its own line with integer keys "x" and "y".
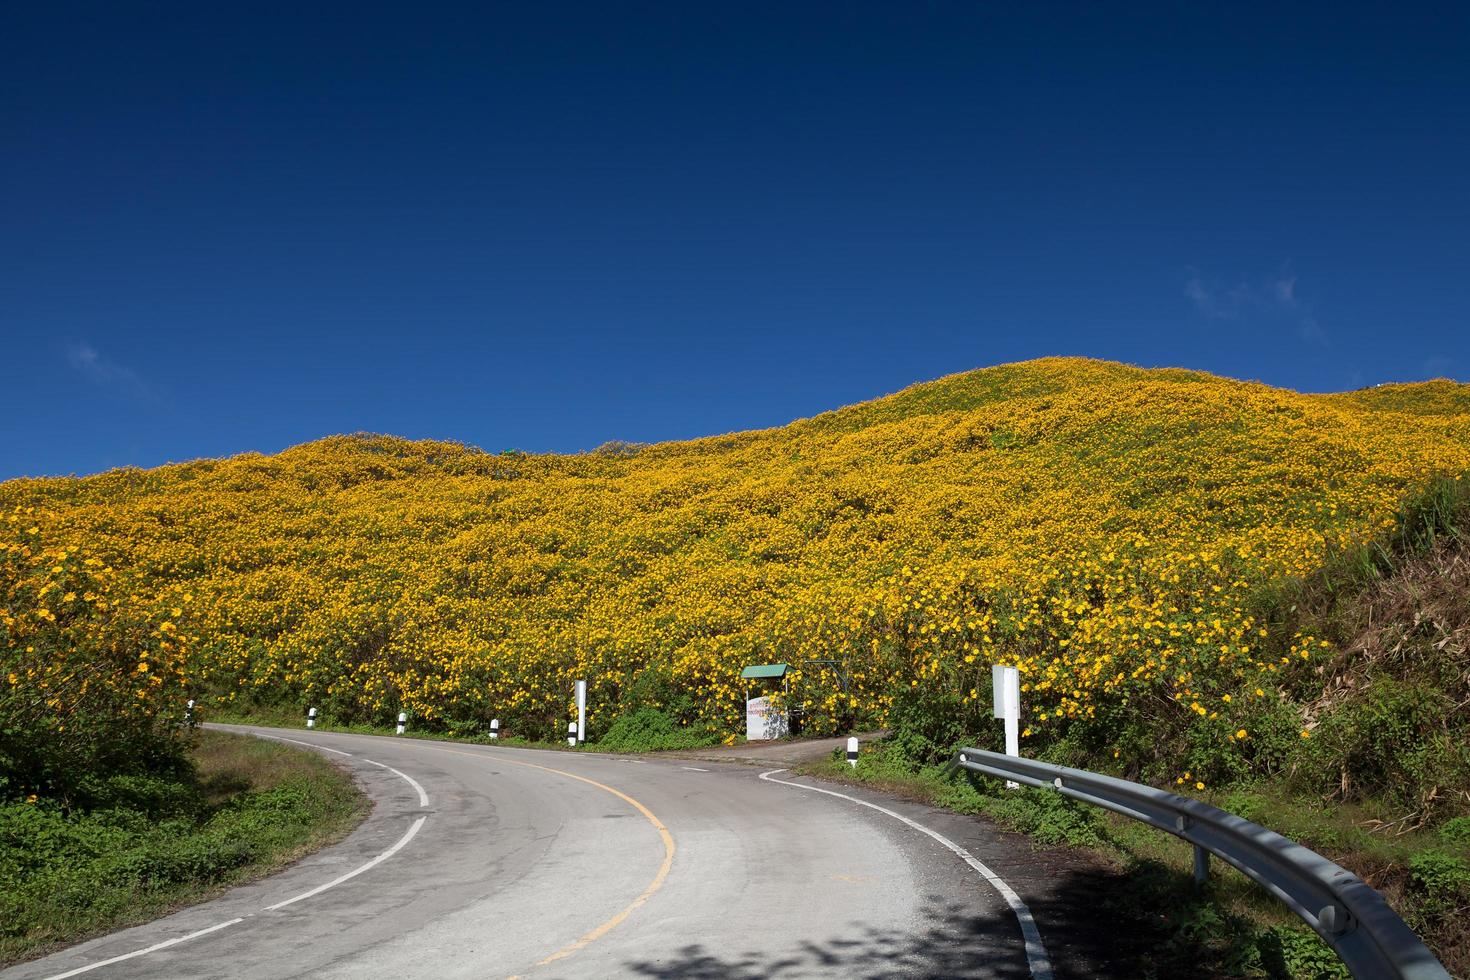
{"x": 1380, "y": 783}
{"x": 142, "y": 844}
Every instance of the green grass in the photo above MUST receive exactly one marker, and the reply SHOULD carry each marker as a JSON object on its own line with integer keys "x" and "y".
{"x": 154, "y": 845}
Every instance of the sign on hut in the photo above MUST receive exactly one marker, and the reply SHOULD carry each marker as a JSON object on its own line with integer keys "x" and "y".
{"x": 763, "y": 719}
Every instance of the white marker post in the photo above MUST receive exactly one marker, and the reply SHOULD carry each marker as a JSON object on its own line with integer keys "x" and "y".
{"x": 581, "y": 712}
{"x": 852, "y": 751}
{"x": 572, "y": 734}
{"x": 189, "y": 712}
{"x": 494, "y": 727}
{"x": 1006, "y": 682}
{"x": 402, "y": 721}
{"x": 311, "y": 718}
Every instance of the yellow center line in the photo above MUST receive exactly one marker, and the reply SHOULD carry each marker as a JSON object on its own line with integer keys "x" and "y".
{"x": 653, "y": 886}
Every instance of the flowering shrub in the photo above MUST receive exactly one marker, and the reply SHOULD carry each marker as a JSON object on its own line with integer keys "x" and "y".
{"x": 1109, "y": 529}
{"x": 93, "y": 672}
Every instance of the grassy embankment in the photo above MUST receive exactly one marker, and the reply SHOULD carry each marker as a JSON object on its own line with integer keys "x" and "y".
{"x": 149, "y": 844}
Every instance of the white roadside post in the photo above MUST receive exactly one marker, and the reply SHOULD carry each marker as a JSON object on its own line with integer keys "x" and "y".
{"x": 311, "y": 718}
{"x": 1006, "y": 682}
{"x": 494, "y": 727}
{"x": 581, "y": 712}
{"x": 402, "y": 721}
{"x": 572, "y": 734}
{"x": 189, "y": 712}
{"x": 852, "y": 751}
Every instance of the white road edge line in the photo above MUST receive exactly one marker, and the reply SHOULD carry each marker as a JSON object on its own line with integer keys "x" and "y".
{"x": 297, "y": 741}
{"x": 143, "y": 952}
{"x": 402, "y": 842}
{"x": 1036, "y": 956}
{"x": 697, "y": 769}
{"x": 423, "y": 797}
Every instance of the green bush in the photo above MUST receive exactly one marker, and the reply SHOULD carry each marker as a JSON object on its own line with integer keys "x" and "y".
{"x": 650, "y": 730}
{"x": 930, "y": 723}
{"x": 1389, "y": 740}
{"x": 1295, "y": 954}
{"x": 1246, "y": 804}
{"x": 1441, "y": 881}
{"x": 1456, "y": 830}
{"x": 1049, "y": 818}
{"x": 1441, "y": 512}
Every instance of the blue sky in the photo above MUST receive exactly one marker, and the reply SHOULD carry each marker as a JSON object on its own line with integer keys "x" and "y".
{"x": 231, "y": 227}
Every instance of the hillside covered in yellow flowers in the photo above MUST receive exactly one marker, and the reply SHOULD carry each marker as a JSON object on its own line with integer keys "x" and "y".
{"x": 1116, "y": 531}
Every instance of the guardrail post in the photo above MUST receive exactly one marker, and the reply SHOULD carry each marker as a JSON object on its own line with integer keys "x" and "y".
{"x": 1201, "y": 865}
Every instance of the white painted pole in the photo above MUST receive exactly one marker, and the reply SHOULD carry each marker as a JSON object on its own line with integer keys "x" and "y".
{"x": 402, "y": 720}
{"x": 1013, "y": 717}
{"x": 494, "y": 727}
{"x": 311, "y": 718}
{"x": 1006, "y": 690}
{"x": 572, "y": 734}
{"x": 852, "y": 751}
{"x": 581, "y": 712}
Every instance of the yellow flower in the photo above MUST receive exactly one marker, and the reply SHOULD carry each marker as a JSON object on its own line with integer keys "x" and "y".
{"x": 1240, "y": 734}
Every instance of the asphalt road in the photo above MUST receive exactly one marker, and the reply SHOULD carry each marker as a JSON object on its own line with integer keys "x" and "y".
{"x": 487, "y": 861}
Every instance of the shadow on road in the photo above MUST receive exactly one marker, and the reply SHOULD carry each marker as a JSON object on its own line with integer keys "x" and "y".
{"x": 1089, "y": 917}
{"x": 950, "y": 943}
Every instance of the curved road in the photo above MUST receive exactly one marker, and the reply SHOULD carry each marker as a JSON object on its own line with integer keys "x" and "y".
{"x": 495, "y": 862}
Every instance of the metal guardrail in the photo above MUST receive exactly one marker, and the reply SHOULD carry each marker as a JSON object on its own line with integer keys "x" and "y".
{"x": 1340, "y": 907}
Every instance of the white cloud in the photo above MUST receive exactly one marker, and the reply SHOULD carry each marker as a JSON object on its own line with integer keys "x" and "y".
{"x": 1211, "y": 300}
{"x": 104, "y": 372}
{"x": 1274, "y": 296}
{"x": 1437, "y": 366}
{"x": 1286, "y": 290}
{"x": 1311, "y": 332}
